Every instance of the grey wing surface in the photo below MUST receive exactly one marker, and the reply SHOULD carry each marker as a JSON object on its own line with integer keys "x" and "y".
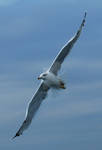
{"x": 56, "y": 65}
{"x": 34, "y": 105}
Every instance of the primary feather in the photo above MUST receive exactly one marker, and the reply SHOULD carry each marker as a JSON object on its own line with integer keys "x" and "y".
{"x": 56, "y": 65}
{"x": 34, "y": 105}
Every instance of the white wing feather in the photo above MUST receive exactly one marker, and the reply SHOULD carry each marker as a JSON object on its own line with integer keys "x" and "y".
{"x": 56, "y": 65}
{"x": 34, "y": 105}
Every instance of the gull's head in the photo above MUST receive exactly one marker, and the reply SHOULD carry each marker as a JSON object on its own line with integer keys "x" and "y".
{"x": 42, "y": 76}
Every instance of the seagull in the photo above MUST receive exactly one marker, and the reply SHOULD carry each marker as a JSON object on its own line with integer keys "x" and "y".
{"x": 49, "y": 79}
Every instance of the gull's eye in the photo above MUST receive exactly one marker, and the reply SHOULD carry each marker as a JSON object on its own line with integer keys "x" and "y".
{"x": 44, "y": 74}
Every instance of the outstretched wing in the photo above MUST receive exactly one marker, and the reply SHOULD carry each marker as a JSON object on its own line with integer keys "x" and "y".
{"x": 35, "y": 103}
{"x": 56, "y": 65}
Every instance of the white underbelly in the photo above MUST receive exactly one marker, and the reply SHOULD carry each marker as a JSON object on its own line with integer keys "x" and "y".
{"x": 52, "y": 81}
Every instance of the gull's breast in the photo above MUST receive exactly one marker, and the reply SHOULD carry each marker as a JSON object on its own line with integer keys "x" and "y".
{"x": 52, "y": 80}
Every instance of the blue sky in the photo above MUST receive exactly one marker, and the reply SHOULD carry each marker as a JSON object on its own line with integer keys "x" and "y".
{"x": 31, "y": 35}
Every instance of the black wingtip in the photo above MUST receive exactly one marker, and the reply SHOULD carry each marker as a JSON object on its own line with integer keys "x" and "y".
{"x": 83, "y": 22}
{"x": 17, "y": 134}
{"x": 85, "y": 14}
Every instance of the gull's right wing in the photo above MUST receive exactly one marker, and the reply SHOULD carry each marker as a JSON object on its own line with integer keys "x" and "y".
{"x": 34, "y": 105}
{"x": 56, "y": 65}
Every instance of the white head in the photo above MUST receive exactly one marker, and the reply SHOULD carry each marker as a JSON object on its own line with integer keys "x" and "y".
{"x": 42, "y": 76}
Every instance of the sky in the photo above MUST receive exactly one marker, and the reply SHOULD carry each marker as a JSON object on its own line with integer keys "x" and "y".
{"x": 31, "y": 35}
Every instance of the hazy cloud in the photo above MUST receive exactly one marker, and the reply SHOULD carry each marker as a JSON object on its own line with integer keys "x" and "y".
{"x": 7, "y": 2}
{"x": 31, "y": 35}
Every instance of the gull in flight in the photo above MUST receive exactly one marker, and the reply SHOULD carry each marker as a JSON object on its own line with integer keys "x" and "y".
{"x": 49, "y": 79}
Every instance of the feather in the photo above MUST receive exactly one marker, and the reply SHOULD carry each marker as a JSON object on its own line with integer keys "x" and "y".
{"x": 56, "y": 65}
{"x": 34, "y": 105}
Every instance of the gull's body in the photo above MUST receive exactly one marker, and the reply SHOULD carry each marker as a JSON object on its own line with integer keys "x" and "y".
{"x": 49, "y": 79}
{"x": 52, "y": 80}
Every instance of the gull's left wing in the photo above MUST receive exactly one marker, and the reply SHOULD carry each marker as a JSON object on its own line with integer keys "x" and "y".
{"x": 55, "y": 67}
{"x": 35, "y": 103}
